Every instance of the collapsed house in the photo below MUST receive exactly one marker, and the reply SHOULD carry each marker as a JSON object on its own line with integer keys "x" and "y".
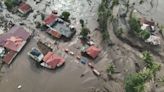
{"x": 58, "y": 28}
{"x": 150, "y": 27}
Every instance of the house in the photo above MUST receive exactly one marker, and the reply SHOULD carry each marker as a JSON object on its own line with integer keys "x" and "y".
{"x": 9, "y": 56}
{"x": 24, "y": 8}
{"x": 91, "y": 51}
{"x": 50, "y": 20}
{"x": 54, "y": 33}
{"x": 52, "y": 61}
{"x": 59, "y": 29}
{"x": 13, "y": 41}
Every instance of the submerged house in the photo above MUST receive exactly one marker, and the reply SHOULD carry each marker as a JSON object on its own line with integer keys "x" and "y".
{"x": 13, "y": 41}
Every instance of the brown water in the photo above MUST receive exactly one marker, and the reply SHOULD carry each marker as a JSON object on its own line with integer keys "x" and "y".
{"x": 155, "y": 11}
{"x": 23, "y": 71}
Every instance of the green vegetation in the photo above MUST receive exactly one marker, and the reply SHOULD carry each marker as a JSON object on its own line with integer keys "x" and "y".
{"x": 65, "y": 15}
{"x": 134, "y": 24}
{"x": 144, "y": 34}
{"x": 103, "y": 15}
{"x": 161, "y": 27}
{"x": 82, "y": 22}
{"x": 10, "y": 4}
{"x": 84, "y": 33}
{"x": 136, "y": 28}
{"x": 148, "y": 59}
{"x": 114, "y": 2}
{"x": 135, "y": 82}
{"x": 42, "y": 16}
{"x": 141, "y": 1}
{"x": 42, "y": 27}
{"x": 119, "y": 32}
{"x": 110, "y": 69}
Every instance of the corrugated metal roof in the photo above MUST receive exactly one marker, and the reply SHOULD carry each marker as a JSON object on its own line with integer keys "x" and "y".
{"x": 49, "y": 20}
{"x": 9, "y": 57}
{"x": 17, "y": 31}
{"x": 24, "y": 7}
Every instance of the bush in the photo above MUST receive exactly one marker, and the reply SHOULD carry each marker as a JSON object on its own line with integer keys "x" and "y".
{"x": 65, "y": 15}
{"x": 134, "y": 25}
{"x": 144, "y": 34}
{"x": 119, "y": 32}
{"x": 135, "y": 82}
{"x": 82, "y": 22}
{"x": 10, "y": 3}
{"x": 84, "y": 33}
{"x": 110, "y": 69}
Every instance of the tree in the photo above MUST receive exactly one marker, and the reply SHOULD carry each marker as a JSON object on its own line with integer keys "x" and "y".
{"x": 114, "y": 2}
{"x": 103, "y": 15}
{"x": 82, "y": 22}
{"x": 134, "y": 25}
{"x": 134, "y": 83}
{"x": 148, "y": 59}
{"x": 9, "y": 4}
{"x": 84, "y": 32}
{"x": 141, "y": 1}
{"x": 144, "y": 34}
{"x": 65, "y": 15}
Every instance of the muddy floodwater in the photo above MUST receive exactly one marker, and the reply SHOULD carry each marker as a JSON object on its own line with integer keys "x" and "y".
{"x": 23, "y": 71}
{"x": 33, "y": 78}
{"x": 153, "y": 10}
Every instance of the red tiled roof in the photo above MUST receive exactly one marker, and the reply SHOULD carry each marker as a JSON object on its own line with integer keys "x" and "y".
{"x": 93, "y": 51}
{"x": 52, "y": 60}
{"x": 24, "y": 8}
{"x": 54, "y": 33}
{"x": 13, "y": 43}
{"x": 9, "y": 57}
{"x": 49, "y": 20}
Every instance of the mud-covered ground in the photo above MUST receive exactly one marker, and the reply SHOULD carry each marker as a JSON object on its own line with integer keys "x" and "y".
{"x": 23, "y": 71}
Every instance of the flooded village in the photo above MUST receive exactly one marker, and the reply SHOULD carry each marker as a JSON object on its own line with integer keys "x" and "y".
{"x": 81, "y": 46}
